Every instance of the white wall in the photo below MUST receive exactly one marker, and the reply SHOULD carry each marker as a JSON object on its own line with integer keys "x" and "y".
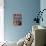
{"x": 1, "y": 21}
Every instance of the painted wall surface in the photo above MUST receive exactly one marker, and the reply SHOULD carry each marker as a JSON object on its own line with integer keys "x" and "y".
{"x": 28, "y": 9}
{"x": 43, "y": 6}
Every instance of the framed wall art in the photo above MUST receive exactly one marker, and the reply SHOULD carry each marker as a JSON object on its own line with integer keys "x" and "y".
{"x": 17, "y": 19}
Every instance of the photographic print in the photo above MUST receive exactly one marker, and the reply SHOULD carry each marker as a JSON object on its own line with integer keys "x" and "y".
{"x": 17, "y": 19}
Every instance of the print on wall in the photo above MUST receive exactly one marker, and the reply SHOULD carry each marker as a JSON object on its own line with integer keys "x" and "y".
{"x": 17, "y": 19}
